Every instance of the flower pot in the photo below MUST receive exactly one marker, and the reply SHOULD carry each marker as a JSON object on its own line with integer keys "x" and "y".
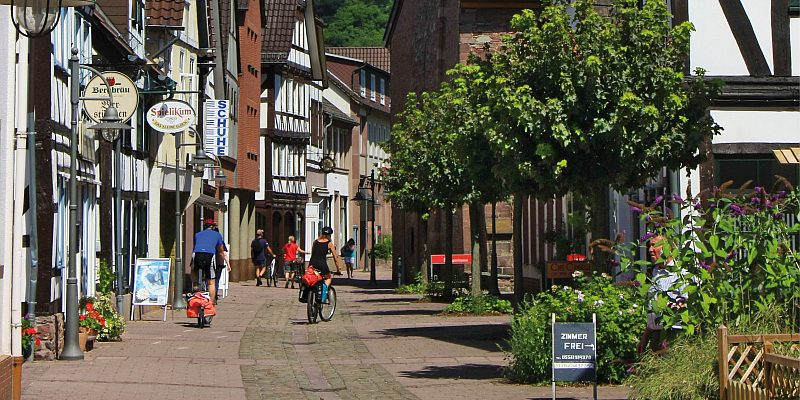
{"x": 82, "y": 338}
{"x": 90, "y": 331}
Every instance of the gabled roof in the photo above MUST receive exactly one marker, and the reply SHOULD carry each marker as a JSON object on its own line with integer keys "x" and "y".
{"x": 336, "y": 113}
{"x": 375, "y": 55}
{"x": 340, "y": 70}
{"x": 164, "y": 12}
{"x": 279, "y": 17}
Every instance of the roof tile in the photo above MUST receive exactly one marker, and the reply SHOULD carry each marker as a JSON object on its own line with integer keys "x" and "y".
{"x": 164, "y": 12}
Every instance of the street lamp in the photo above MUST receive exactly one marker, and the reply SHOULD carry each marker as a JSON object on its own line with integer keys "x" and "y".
{"x": 200, "y": 159}
{"x": 110, "y": 120}
{"x": 361, "y": 199}
{"x": 37, "y": 18}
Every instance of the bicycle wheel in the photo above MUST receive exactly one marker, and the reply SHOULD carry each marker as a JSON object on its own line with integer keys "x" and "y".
{"x": 311, "y": 305}
{"x": 328, "y": 307}
{"x": 201, "y": 320}
{"x": 274, "y": 276}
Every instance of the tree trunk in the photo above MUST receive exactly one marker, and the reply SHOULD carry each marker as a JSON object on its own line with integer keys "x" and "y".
{"x": 493, "y": 286}
{"x": 600, "y": 223}
{"x": 448, "y": 252}
{"x": 475, "y": 235}
{"x": 423, "y": 235}
{"x": 519, "y": 294}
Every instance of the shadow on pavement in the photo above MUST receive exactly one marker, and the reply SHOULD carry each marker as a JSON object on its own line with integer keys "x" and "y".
{"x": 397, "y": 312}
{"x": 487, "y": 337}
{"x": 466, "y": 371}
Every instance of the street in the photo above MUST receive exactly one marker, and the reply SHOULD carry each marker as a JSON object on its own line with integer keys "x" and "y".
{"x": 379, "y": 345}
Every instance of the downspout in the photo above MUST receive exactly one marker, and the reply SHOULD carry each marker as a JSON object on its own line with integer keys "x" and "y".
{"x": 219, "y": 88}
{"x": 32, "y": 227}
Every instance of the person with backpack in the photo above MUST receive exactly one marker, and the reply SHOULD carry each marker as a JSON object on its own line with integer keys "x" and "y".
{"x": 291, "y": 251}
{"x": 257, "y": 248}
{"x": 319, "y": 258}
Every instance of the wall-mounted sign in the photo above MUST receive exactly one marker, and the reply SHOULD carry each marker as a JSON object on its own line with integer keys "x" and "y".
{"x": 126, "y": 96}
{"x": 171, "y": 116}
{"x": 457, "y": 259}
{"x": 217, "y": 127}
{"x": 564, "y": 269}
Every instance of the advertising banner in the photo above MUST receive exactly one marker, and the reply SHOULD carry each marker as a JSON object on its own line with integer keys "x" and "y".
{"x": 217, "y": 127}
{"x": 151, "y": 281}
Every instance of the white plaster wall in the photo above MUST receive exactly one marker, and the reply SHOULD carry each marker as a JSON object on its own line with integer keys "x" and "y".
{"x": 6, "y": 176}
{"x": 338, "y": 98}
{"x": 713, "y": 45}
{"x": 757, "y": 126}
{"x": 337, "y": 182}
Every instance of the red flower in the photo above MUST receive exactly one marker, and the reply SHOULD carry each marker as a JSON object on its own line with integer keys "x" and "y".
{"x": 83, "y": 317}
{"x": 89, "y": 307}
{"x": 95, "y": 315}
{"x": 102, "y": 321}
{"x": 38, "y": 342}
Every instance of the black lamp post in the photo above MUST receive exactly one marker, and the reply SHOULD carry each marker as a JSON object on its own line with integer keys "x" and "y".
{"x": 37, "y": 18}
{"x": 361, "y": 199}
{"x": 110, "y": 127}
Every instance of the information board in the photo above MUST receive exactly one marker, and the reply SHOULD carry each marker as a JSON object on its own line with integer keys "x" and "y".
{"x": 574, "y": 351}
{"x": 151, "y": 281}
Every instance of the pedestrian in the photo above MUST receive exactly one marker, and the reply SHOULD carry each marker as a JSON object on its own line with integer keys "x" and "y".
{"x": 206, "y": 245}
{"x": 319, "y": 258}
{"x": 665, "y": 282}
{"x": 291, "y": 251}
{"x": 347, "y": 255}
{"x": 221, "y": 262}
{"x": 257, "y": 252}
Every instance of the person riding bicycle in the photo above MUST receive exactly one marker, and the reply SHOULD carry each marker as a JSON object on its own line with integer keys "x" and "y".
{"x": 319, "y": 255}
{"x": 206, "y": 245}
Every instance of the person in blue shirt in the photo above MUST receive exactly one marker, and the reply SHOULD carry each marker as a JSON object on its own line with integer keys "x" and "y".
{"x": 206, "y": 245}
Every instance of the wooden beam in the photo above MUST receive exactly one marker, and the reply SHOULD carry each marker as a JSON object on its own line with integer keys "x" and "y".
{"x": 783, "y": 337}
{"x": 745, "y": 37}
{"x": 781, "y": 47}
{"x": 680, "y": 14}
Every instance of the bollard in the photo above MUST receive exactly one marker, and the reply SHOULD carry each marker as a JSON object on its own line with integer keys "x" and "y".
{"x": 399, "y": 272}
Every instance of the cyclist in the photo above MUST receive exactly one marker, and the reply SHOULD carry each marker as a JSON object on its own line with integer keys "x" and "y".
{"x": 206, "y": 245}
{"x": 319, "y": 253}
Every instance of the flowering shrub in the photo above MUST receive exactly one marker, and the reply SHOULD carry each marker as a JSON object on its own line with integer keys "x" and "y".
{"x": 91, "y": 319}
{"x": 730, "y": 252}
{"x": 620, "y": 323}
{"x": 29, "y": 334}
{"x": 114, "y": 322}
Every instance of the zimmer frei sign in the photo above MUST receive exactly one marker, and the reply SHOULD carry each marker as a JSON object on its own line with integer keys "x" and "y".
{"x": 574, "y": 352}
{"x": 171, "y": 116}
{"x": 217, "y": 127}
{"x": 126, "y": 96}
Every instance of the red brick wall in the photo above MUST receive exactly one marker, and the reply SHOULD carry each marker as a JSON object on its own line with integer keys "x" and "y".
{"x": 7, "y": 384}
{"x": 249, "y": 98}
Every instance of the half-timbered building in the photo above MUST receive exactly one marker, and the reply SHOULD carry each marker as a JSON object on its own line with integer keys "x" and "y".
{"x": 292, "y": 80}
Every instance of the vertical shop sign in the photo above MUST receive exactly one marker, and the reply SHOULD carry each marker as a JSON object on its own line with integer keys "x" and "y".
{"x": 217, "y": 129}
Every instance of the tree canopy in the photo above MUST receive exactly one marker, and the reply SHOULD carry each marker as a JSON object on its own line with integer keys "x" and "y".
{"x": 354, "y": 23}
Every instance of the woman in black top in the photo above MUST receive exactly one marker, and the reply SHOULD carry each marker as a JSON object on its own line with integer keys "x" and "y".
{"x": 319, "y": 255}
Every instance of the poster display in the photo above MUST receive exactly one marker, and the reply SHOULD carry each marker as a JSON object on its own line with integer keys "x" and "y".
{"x": 151, "y": 281}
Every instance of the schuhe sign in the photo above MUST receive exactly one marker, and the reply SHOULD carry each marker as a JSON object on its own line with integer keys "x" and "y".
{"x": 171, "y": 116}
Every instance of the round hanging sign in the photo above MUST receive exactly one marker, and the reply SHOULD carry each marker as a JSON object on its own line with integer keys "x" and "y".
{"x": 126, "y": 96}
{"x": 171, "y": 116}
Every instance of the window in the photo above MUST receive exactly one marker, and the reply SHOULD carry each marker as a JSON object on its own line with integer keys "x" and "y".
{"x": 363, "y": 82}
{"x": 180, "y": 61}
{"x": 383, "y": 92}
{"x": 372, "y": 87}
{"x": 760, "y": 168}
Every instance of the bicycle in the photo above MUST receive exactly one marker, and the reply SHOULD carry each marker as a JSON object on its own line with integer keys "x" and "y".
{"x": 315, "y": 307}
{"x": 272, "y": 274}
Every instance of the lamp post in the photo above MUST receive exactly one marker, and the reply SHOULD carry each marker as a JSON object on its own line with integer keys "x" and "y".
{"x": 361, "y": 199}
{"x": 37, "y": 18}
{"x": 200, "y": 158}
{"x": 110, "y": 123}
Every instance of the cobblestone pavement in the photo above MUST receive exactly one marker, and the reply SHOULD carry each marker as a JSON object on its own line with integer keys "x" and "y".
{"x": 379, "y": 345}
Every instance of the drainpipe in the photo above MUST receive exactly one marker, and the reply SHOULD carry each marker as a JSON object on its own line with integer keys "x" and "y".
{"x": 32, "y": 227}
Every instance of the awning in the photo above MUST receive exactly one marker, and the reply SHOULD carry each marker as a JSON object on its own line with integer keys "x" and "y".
{"x": 210, "y": 202}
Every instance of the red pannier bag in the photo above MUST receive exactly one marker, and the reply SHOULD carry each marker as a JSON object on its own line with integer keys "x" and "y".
{"x": 311, "y": 277}
{"x": 198, "y": 300}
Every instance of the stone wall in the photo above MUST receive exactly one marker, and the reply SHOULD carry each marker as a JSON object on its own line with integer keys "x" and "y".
{"x": 50, "y": 332}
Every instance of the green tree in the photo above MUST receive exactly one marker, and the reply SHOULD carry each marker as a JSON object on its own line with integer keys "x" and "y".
{"x": 580, "y": 102}
{"x": 427, "y": 172}
{"x": 354, "y": 22}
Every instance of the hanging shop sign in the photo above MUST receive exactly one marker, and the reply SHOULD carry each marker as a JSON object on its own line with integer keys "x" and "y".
{"x": 171, "y": 116}
{"x": 217, "y": 127}
{"x": 126, "y": 96}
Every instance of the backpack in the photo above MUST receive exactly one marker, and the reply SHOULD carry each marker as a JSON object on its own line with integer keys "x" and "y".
{"x": 342, "y": 251}
{"x": 258, "y": 248}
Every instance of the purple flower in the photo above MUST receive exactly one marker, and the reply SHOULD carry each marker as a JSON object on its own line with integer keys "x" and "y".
{"x": 705, "y": 266}
{"x": 599, "y": 303}
{"x": 658, "y": 199}
{"x": 637, "y": 283}
{"x": 777, "y": 216}
{"x": 581, "y": 297}
{"x": 716, "y": 188}
{"x": 731, "y": 255}
{"x": 630, "y": 370}
{"x": 636, "y": 209}
{"x": 774, "y": 197}
{"x": 647, "y": 236}
{"x": 767, "y": 204}
{"x": 759, "y": 189}
{"x": 613, "y": 263}
{"x": 677, "y": 198}
{"x": 712, "y": 205}
{"x": 697, "y": 206}
{"x": 755, "y": 199}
